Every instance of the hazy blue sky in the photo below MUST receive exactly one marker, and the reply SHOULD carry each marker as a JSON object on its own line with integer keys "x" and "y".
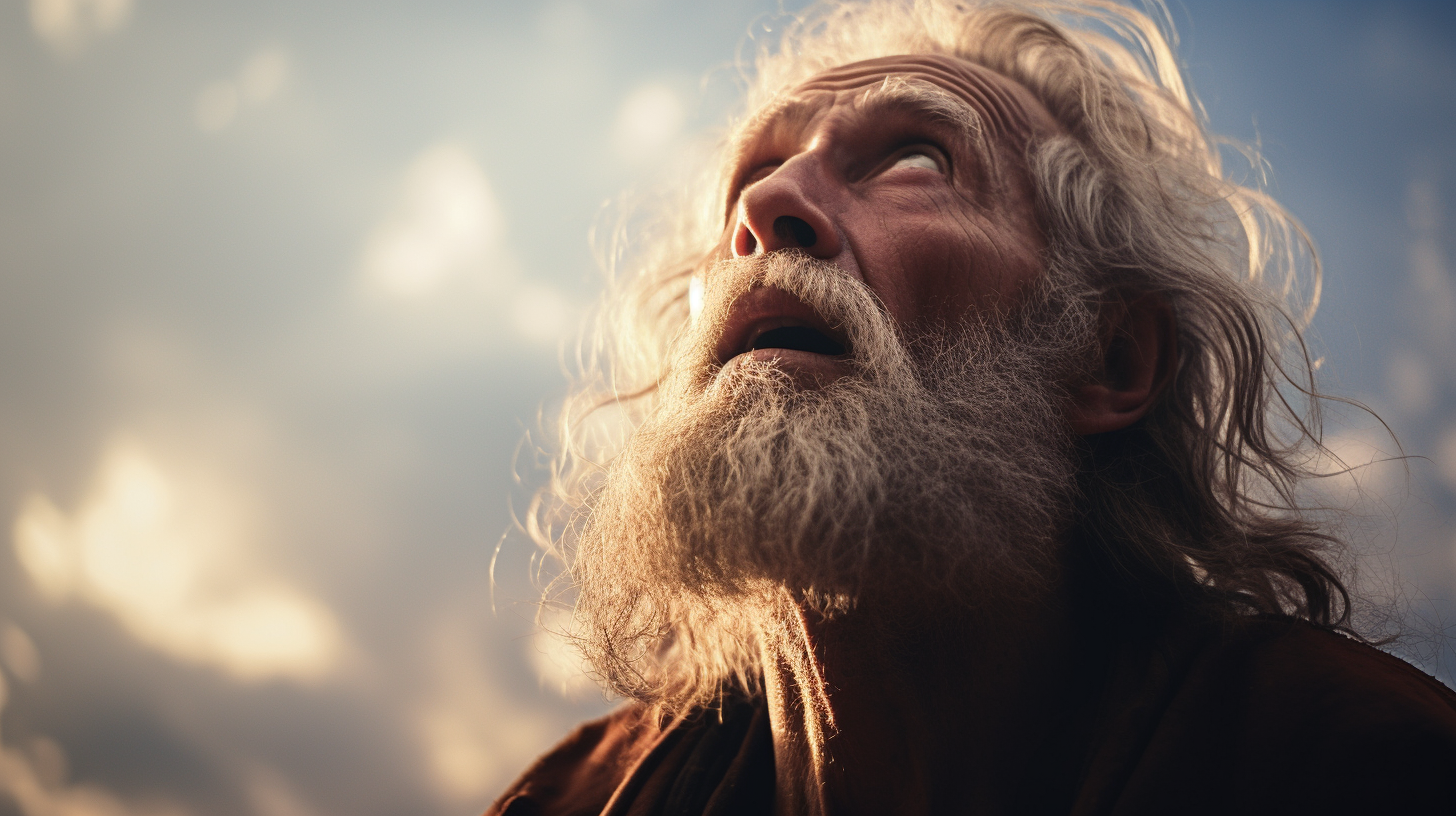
{"x": 282, "y": 287}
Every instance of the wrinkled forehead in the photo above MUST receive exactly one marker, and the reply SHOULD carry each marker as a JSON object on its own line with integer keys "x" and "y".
{"x": 1006, "y": 111}
{"x": 1006, "y": 108}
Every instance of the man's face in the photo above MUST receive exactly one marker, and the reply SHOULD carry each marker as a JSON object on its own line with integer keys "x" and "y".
{"x": 907, "y": 173}
{"x": 896, "y": 220}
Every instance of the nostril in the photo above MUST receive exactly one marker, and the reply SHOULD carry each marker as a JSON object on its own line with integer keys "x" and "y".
{"x": 795, "y": 230}
{"x": 744, "y": 242}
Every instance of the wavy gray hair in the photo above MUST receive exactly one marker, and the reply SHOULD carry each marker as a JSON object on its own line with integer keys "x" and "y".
{"x": 1196, "y": 502}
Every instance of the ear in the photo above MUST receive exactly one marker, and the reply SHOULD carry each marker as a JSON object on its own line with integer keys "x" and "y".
{"x": 1139, "y": 352}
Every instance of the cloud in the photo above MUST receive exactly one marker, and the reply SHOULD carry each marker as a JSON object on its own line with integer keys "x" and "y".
{"x": 34, "y": 781}
{"x": 261, "y": 77}
{"x": 439, "y": 269}
{"x": 445, "y": 228}
{"x": 541, "y": 314}
{"x": 1362, "y": 473}
{"x": 649, "y": 119}
{"x": 474, "y": 736}
{"x": 19, "y": 653}
{"x": 1430, "y": 271}
{"x": 1411, "y": 382}
{"x": 271, "y": 795}
{"x": 160, "y": 551}
{"x": 68, "y": 26}
{"x": 564, "y": 24}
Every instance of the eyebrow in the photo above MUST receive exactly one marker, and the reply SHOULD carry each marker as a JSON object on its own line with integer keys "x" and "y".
{"x": 917, "y": 96}
{"x": 894, "y": 93}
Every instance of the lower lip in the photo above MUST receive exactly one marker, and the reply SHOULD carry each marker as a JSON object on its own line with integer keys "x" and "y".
{"x": 806, "y": 367}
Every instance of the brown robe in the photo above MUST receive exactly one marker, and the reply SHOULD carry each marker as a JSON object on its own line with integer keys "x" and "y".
{"x": 1268, "y": 715}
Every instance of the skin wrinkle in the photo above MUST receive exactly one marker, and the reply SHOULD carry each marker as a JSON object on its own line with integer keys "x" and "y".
{"x": 971, "y": 243}
{"x": 939, "y": 252}
{"x": 1012, "y": 113}
{"x": 895, "y": 94}
{"x": 908, "y": 99}
{"x": 911, "y": 510}
{"x": 747, "y": 480}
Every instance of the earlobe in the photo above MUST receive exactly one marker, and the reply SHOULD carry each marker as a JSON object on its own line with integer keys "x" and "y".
{"x": 1139, "y": 349}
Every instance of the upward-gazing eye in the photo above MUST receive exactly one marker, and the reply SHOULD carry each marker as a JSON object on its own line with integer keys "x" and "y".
{"x": 924, "y": 160}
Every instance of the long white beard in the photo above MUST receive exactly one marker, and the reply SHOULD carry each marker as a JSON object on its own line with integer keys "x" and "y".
{"x": 950, "y": 467}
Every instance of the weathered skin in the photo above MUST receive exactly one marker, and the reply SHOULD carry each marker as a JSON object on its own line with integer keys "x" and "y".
{"x": 938, "y": 225}
{"x": 932, "y": 242}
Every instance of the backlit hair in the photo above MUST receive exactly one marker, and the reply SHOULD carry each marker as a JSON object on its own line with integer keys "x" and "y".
{"x": 1194, "y": 503}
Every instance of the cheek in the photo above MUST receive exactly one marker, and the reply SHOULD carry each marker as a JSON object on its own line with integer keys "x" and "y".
{"x": 941, "y": 269}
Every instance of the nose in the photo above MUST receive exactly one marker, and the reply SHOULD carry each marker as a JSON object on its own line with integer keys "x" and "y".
{"x": 783, "y": 211}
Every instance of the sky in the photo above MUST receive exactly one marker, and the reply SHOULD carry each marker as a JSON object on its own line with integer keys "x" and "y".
{"x": 284, "y": 286}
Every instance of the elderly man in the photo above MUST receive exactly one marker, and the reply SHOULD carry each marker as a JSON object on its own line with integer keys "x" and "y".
{"x": 960, "y": 477}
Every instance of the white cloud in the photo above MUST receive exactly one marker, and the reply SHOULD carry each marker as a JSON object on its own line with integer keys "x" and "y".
{"x": 445, "y": 228}
{"x": 68, "y": 26}
{"x": 541, "y": 314}
{"x": 649, "y": 119}
{"x": 1361, "y": 473}
{"x": 261, "y": 77}
{"x": 160, "y": 551}
{"x": 474, "y": 737}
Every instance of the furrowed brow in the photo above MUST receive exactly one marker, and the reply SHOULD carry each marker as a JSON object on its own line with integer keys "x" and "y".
{"x": 932, "y": 101}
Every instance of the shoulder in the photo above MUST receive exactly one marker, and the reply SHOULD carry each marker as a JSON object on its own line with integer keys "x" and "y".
{"x": 1272, "y": 714}
{"x": 709, "y": 760}
{"x": 581, "y": 773}
{"x": 1287, "y": 671}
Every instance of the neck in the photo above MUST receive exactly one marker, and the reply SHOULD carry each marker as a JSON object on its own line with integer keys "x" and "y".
{"x": 916, "y": 706}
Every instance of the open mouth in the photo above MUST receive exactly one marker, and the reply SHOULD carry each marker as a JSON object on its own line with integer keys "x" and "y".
{"x": 768, "y": 319}
{"x": 798, "y": 338}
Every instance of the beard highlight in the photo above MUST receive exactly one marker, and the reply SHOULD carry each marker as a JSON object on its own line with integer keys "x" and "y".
{"x": 941, "y": 467}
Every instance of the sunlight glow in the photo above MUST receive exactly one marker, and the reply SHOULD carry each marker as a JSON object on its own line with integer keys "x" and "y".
{"x": 541, "y": 314}
{"x": 471, "y": 732}
{"x": 695, "y": 297}
{"x": 260, "y": 79}
{"x": 444, "y": 228}
{"x": 68, "y": 26}
{"x": 160, "y": 553}
{"x": 559, "y": 665}
{"x": 263, "y": 75}
{"x": 1363, "y": 475}
{"x": 650, "y": 118}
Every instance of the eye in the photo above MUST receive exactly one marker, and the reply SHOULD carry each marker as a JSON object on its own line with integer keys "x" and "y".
{"x": 917, "y": 159}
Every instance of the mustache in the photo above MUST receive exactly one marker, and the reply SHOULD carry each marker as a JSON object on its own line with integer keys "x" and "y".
{"x": 839, "y": 300}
